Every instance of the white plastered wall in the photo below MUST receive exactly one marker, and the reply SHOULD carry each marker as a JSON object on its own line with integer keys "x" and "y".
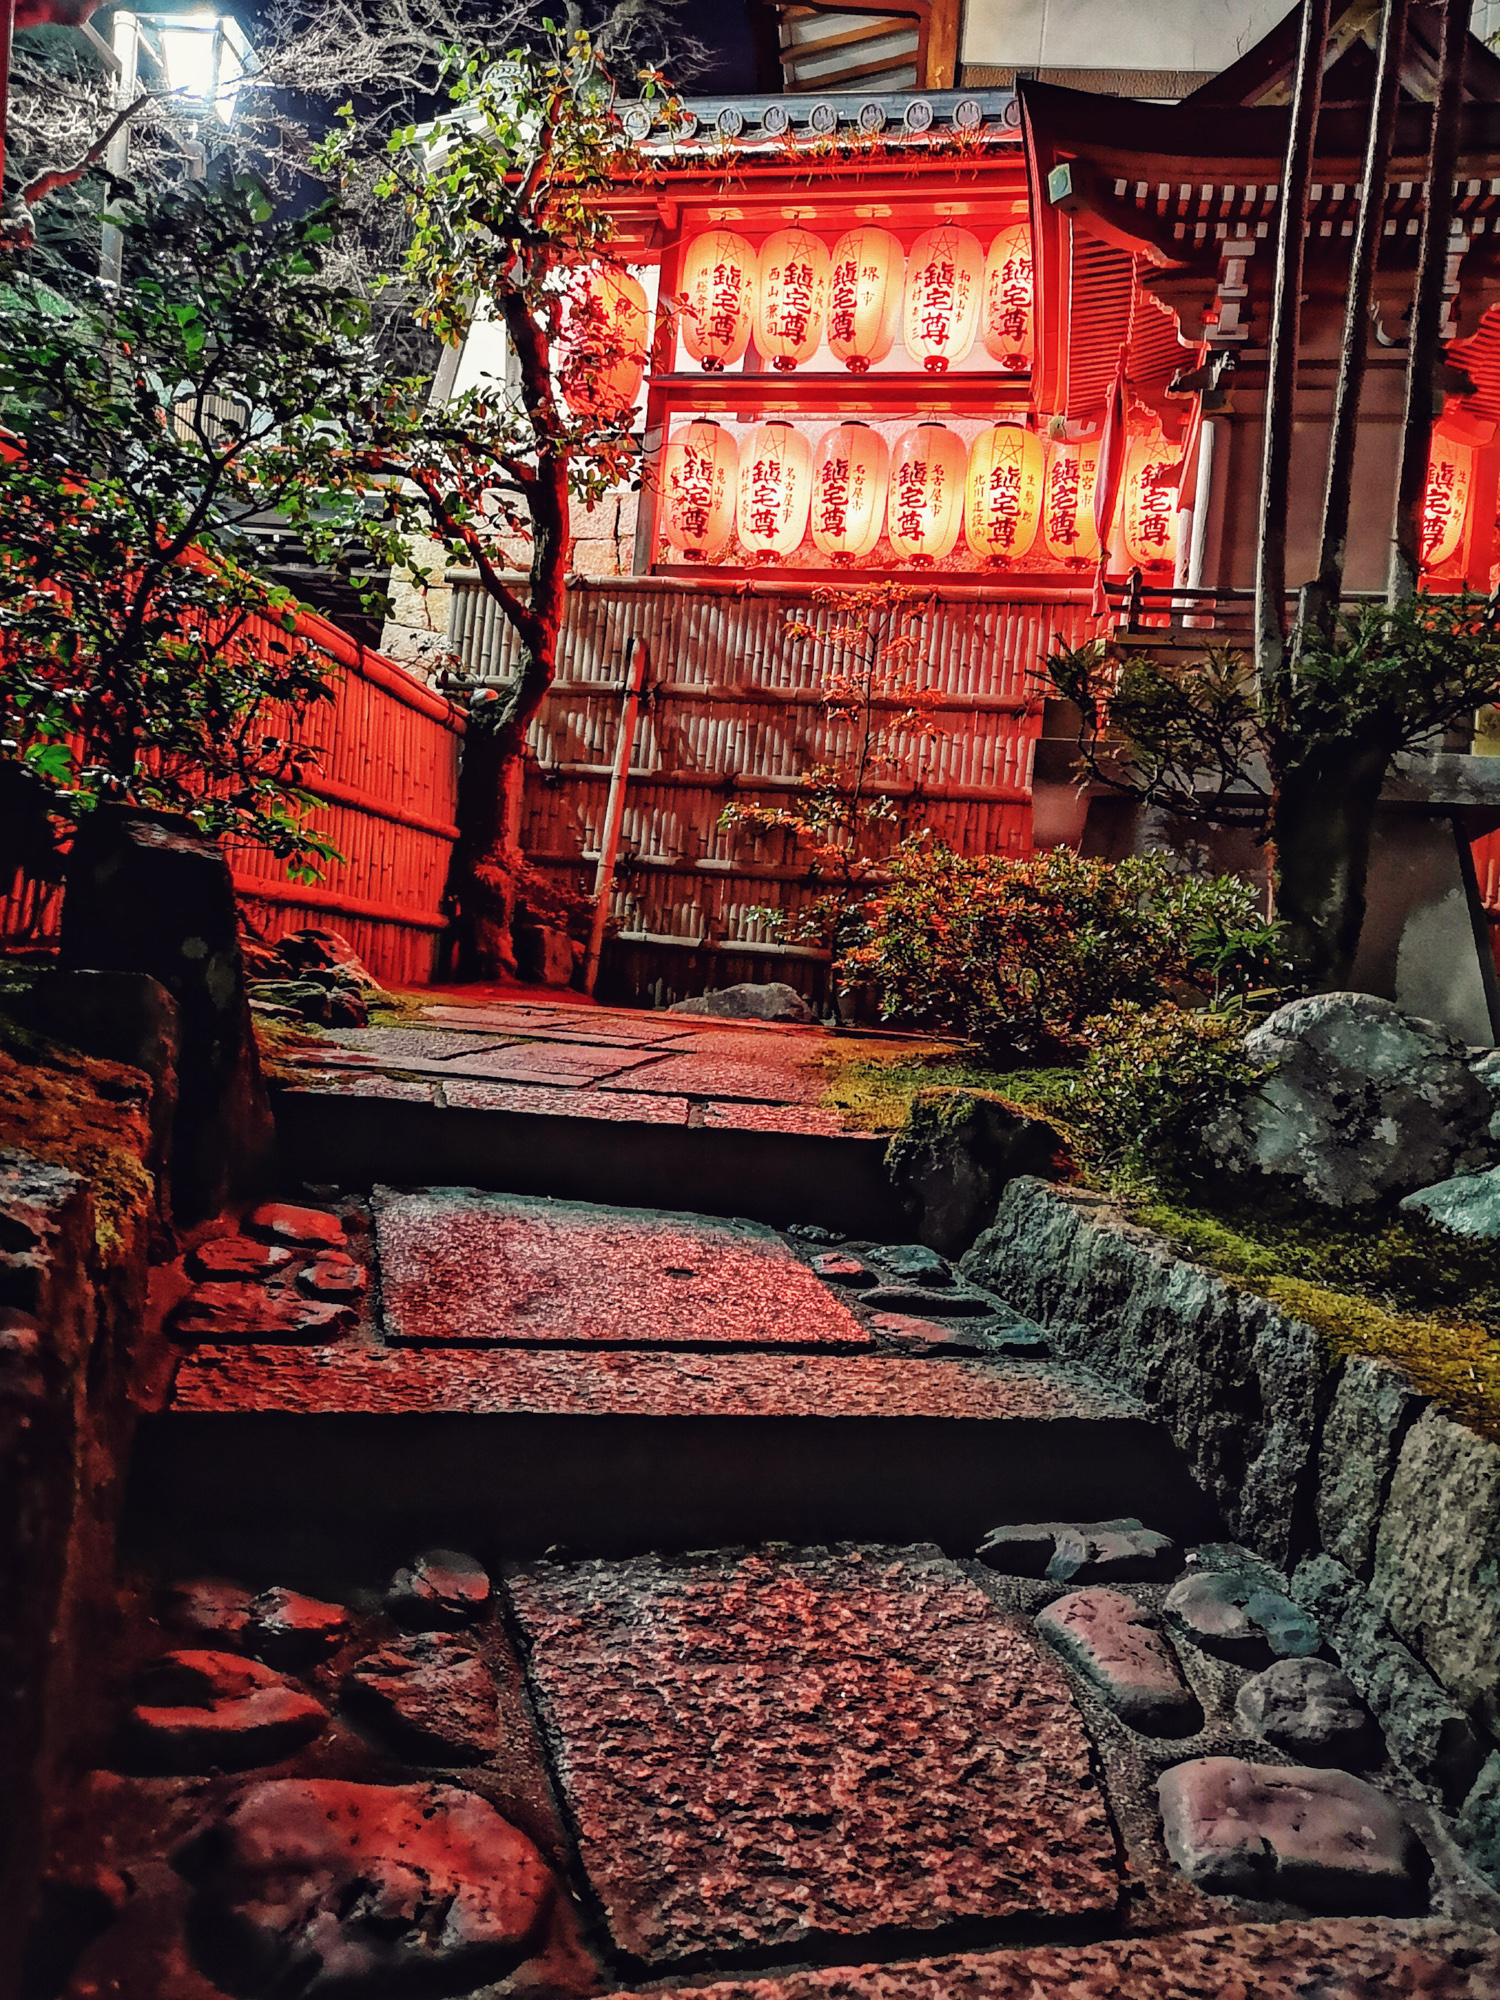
{"x": 1130, "y": 35}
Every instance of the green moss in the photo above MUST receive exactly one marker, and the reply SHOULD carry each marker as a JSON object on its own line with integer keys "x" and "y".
{"x": 874, "y": 1088}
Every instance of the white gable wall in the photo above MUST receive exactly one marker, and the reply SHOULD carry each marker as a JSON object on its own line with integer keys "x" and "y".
{"x": 1134, "y": 35}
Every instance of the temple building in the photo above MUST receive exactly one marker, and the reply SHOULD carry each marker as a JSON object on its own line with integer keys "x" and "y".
{"x": 1004, "y": 343}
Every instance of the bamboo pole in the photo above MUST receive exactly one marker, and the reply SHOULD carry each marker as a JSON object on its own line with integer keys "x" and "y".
{"x": 1425, "y": 345}
{"x": 614, "y": 811}
{"x": 1281, "y": 360}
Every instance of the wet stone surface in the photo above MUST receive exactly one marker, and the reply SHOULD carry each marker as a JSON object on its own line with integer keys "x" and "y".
{"x": 204, "y": 1711}
{"x": 432, "y": 1695}
{"x": 1310, "y": 1710}
{"x": 458, "y": 1265}
{"x": 1238, "y": 1618}
{"x": 759, "y": 1750}
{"x": 441, "y": 1591}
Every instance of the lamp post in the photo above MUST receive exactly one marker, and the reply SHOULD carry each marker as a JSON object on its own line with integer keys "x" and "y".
{"x": 202, "y": 60}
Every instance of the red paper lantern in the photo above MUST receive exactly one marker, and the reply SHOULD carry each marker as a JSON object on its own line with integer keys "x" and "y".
{"x": 791, "y": 298}
{"x": 864, "y": 297}
{"x": 775, "y": 487}
{"x": 849, "y": 473}
{"x": 605, "y": 344}
{"x": 718, "y": 293}
{"x": 1068, "y": 501}
{"x": 698, "y": 472}
{"x": 1009, "y": 300}
{"x": 1003, "y": 501}
{"x": 925, "y": 503}
{"x": 944, "y": 280}
{"x": 1150, "y": 487}
{"x": 1445, "y": 511}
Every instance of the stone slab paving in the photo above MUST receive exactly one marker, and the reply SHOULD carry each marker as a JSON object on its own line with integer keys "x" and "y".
{"x": 466, "y": 1093}
{"x": 458, "y": 1265}
{"x": 755, "y": 1079}
{"x": 332, "y": 1381}
{"x": 1331, "y": 1960}
{"x": 760, "y": 1750}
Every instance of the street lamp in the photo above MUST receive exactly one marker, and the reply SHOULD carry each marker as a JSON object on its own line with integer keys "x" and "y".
{"x": 200, "y": 60}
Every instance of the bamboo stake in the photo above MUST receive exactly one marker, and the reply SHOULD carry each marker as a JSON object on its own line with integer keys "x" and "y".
{"x": 1281, "y": 361}
{"x": 1425, "y": 346}
{"x": 614, "y": 811}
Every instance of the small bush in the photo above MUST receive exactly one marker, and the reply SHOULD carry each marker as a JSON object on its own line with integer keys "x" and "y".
{"x": 1020, "y": 955}
{"x": 1153, "y": 1078}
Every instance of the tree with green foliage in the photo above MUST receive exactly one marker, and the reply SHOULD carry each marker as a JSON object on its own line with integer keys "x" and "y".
{"x": 1301, "y": 763}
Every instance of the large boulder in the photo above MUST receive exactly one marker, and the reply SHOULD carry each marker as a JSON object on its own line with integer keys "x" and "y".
{"x": 952, "y": 1159}
{"x": 1363, "y": 1102}
{"x": 775, "y": 1001}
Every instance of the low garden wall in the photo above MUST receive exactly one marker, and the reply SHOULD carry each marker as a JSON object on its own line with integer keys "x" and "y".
{"x": 1382, "y": 1510}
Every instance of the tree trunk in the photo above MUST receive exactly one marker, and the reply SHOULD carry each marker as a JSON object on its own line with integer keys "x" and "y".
{"x": 486, "y": 859}
{"x": 1322, "y": 817}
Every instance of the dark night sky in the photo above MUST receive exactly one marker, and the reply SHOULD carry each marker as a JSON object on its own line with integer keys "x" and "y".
{"x": 722, "y": 25}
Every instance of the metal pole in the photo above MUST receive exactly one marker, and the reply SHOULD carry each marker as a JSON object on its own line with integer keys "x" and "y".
{"x": 614, "y": 811}
{"x": 125, "y": 36}
{"x": 1281, "y": 360}
{"x": 1423, "y": 351}
{"x": 1322, "y": 596}
{"x": 7, "y": 23}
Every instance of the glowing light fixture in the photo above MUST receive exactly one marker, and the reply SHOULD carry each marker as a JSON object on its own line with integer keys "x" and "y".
{"x": 864, "y": 297}
{"x": 605, "y": 343}
{"x": 1445, "y": 511}
{"x": 1009, "y": 300}
{"x": 698, "y": 475}
{"x": 1003, "y": 500}
{"x": 207, "y": 58}
{"x": 775, "y": 488}
{"x": 791, "y": 297}
{"x": 849, "y": 473}
{"x": 1068, "y": 530}
{"x": 718, "y": 292}
{"x": 944, "y": 279}
{"x": 925, "y": 504}
{"x": 1150, "y": 486}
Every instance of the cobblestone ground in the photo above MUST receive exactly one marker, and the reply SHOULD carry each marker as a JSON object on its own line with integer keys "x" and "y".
{"x": 441, "y": 1673}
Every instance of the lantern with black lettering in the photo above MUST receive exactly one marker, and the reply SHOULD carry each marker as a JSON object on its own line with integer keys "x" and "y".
{"x": 924, "y": 507}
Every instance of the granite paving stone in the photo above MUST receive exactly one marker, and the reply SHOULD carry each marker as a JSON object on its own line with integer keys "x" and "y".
{"x": 774, "y": 1080}
{"x": 1118, "y": 1646}
{"x": 542, "y": 1062}
{"x": 811, "y": 1120}
{"x": 385, "y": 1089}
{"x": 541, "y": 1100}
{"x": 757, "y": 1750}
{"x": 1328, "y": 1959}
{"x": 460, "y": 1265}
{"x": 517, "y": 1381}
{"x": 392, "y": 1044}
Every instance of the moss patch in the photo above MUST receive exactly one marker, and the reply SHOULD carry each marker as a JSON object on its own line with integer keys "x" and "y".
{"x": 873, "y": 1086}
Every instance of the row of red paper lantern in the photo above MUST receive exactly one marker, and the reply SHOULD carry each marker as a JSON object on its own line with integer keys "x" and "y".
{"x": 793, "y": 293}
{"x": 1007, "y": 494}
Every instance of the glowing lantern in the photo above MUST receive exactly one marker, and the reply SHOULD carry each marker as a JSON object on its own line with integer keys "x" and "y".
{"x": 775, "y": 487}
{"x": 718, "y": 293}
{"x": 1445, "y": 512}
{"x": 848, "y": 491}
{"x": 1003, "y": 503}
{"x": 944, "y": 280}
{"x": 1009, "y": 300}
{"x": 1150, "y": 489}
{"x": 791, "y": 298}
{"x": 606, "y": 342}
{"x": 864, "y": 297}
{"x": 698, "y": 490}
{"x": 925, "y": 505}
{"x": 1068, "y": 502}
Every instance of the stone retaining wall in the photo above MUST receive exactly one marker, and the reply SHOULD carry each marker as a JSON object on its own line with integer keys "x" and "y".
{"x": 1383, "y": 1511}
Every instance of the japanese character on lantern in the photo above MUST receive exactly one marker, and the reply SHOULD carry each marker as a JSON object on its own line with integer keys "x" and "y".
{"x": 944, "y": 280}
{"x": 718, "y": 298}
{"x": 1445, "y": 510}
{"x": 1003, "y": 501}
{"x": 775, "y": 485}
{"x": 791, "y": 298}
{"x": 925, "y": 501}
{"x": 1009, "y": 300}
{"x": 849, "y": 477}
{"x": 1068, "y": 529}
{"x": 604, "y": 344}
{"x": 698, "y": 490}
{"x": 1152, "y": 469}
{"x": 864, "y": 297}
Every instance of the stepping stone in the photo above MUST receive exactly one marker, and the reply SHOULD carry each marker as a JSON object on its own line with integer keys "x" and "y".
{"x": 288, "y": 1630}
{"x": 333, "y": 1275}
{"x": 222, "y": 1311}
{"x": 1118, "y": 1647}
{"x": 925, "y": 1336}
{"x": 1237, "y": 1618}
{"x": 458, "y": 1265}
{"x": 1310, "y": 1710}
{"x": 1010, "y": 1333}
{"x": 440, "y": 1592}
{"x": 1316, "y": 1959}
{"x": 1082, "y": 1552}
{"x": 237, "y": 1257}
{"x": 918, "y": 1299}
{"x": 320, "y": 1887}
{"x": 307, "y": 1228}
{"x": 1271, "y": 1831}
{"x": 759, "y": 1750}
{"x": 209, "y": 1608}
{"x": 216, "y": 1711}
{"x": 835, "y": 1268}
{"x": 915, "y": 1263}
{"x": 432, "y": 1695}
